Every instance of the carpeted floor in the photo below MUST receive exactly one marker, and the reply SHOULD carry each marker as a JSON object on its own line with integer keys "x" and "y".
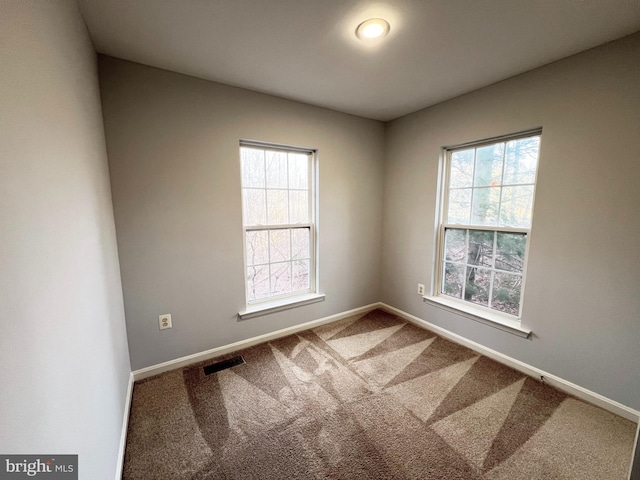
{"x": 369, "y": 397}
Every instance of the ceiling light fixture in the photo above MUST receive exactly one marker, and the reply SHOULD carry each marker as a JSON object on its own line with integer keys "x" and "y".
{"x": 372, "y": 28}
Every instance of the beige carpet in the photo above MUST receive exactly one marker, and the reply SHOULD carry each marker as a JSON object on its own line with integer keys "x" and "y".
{"x": 369, "y": 397}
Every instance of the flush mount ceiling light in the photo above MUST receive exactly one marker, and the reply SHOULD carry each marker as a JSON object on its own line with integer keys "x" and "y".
{"x": 372, "y": 28}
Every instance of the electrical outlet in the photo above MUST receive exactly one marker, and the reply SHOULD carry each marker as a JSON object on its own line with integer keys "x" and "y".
{"x": 164, "y": 321}
{"x": 420, "y": 289}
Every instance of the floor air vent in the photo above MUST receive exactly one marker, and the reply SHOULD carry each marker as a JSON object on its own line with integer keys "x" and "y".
{"x": 218, "y": 366}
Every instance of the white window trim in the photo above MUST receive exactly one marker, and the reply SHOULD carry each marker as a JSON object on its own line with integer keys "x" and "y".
{"x": 257, "y": 310}
{"x": 283, "y": 302}
{"x": 485, "y": 315}
{"x": 492, "y": 318}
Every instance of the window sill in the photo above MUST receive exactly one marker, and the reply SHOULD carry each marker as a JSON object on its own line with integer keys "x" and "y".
{"x": 479, "y": 315}
{"x": 280, "y": 305}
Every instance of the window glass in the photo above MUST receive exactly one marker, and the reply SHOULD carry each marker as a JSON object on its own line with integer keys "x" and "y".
{"x": 489, "y": 208}
{"x": 278, "y": 221}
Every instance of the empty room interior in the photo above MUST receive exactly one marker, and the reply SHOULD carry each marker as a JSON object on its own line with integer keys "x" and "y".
{"x": 320, "y": 239}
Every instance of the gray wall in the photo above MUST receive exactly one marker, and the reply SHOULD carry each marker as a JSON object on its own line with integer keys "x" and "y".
{"x": 582, "y": 296}
{"x": 64, "y": 364}
{"x": 175, "y": 176}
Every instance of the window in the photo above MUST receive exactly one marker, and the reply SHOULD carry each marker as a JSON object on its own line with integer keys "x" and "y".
{"x": 279, "y": 234}
{"x": 486, "y": 222}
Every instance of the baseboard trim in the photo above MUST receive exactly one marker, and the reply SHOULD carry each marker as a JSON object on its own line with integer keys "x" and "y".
{"x": 233, "y": 347}
{"x": 553, "y": 380}
{"x": 125, "y": 427}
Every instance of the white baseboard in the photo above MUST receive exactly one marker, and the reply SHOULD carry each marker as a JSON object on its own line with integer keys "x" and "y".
{"x": 216, "y": 352}
{"x": 557, "y": 382}
{"x": 125, "y": 426}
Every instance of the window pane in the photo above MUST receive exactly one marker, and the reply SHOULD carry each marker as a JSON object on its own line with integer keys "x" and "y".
{"x": 506, "y": 293}
{"x": 255, "y": 209}
{"x": 455, "y": 241}
{"x": 490, "y": 186}
{"x": 257, "y": 282}
{"x": 300, "y": 275}
{"x": 452, "y": 281}
{"x": 276, "y": 169}
{"x": 280, "y": 278}
{"x": 459, "y": 206}
{"x": 277, "y": 192}
{"x": 252, "y": 167}
{"x": 517, "y": 203}
{"x": 300, "y": 243}
{"x": 257, "y": 248}
{"x": 299, "y": 171}
{"x": 510, "y": 251}
{"x": 480, "y": 248}
{"x": 277, "y": 207}
{"x": 461, "y": 169}
{"x": 298, "y": 206}
{"x": 486, "y": 202}
{"x": 521, "y": 161}
{"x": 488, "y": 172}
{"x": 279, "y": 245}
{"x": 477, "y": 285}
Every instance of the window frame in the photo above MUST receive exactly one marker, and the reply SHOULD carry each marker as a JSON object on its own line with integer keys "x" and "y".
{"x": 460, "y": 305}
{"x": 286, "y": 300}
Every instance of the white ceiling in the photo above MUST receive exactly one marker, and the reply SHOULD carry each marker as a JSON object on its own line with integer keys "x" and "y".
{"x": 306, "y": 50}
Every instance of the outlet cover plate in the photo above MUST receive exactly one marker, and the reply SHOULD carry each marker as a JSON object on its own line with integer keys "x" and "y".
{"x": 164, "y": 321}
